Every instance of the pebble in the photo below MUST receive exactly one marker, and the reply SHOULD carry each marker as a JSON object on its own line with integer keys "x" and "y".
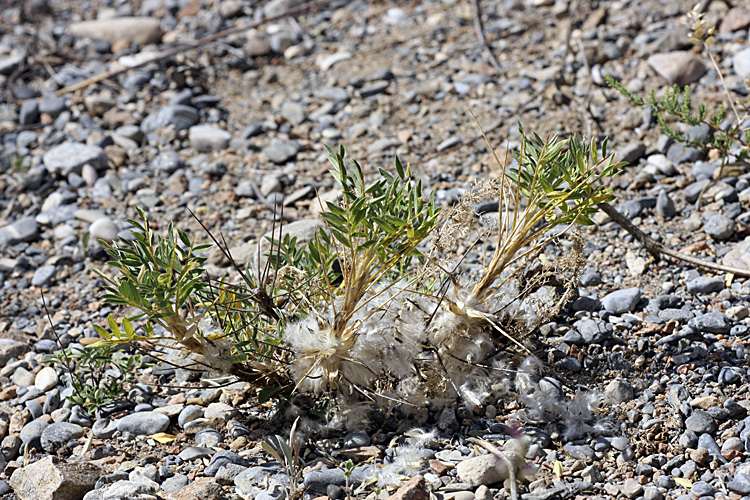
{"x": 677, "y": 67}
{"x": 103, "y": 228}
{"x": 719, "y": 227}
{"x": 280, "y": 152}
{"x": 71, "y": 157}
{"x": 705, "y": 285}
{"x": 208, "y": 138}
{"x": 622, "y": 301}
{"x": 143, "y": 423}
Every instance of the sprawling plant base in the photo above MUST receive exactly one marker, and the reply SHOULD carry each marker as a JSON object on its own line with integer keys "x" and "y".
{"x": 372, "y": 307}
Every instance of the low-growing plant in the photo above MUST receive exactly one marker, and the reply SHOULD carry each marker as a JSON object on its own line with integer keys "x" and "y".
{"x": 729, "y": 135}
{"x": 90, "y": 371}
{"x": 362, "y": 309}
{"x": 287, "y": 452}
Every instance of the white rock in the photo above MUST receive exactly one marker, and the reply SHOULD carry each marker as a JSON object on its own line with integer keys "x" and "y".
{"x": 741, "y": 62}
{"x": 327, "y": 62}
{"x": 46, "y": 379}
{"x": 103, "y": 229}
{"x": 142, "y": 30}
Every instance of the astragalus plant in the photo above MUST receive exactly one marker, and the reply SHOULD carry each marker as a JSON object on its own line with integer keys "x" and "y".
{"x": 371, "y": 307}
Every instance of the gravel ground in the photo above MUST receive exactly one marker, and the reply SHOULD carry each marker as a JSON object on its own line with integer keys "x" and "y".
{"x": 231, "y": 127}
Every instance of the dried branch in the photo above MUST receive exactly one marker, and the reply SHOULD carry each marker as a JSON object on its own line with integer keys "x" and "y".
{"x": 656, "y": 249}
{"x": 479, "y": 29}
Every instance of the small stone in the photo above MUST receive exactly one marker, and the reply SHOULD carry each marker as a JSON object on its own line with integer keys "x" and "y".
{"x": 622, "y": 301}
{"x": 141, "y": 30}
{"x": 701, "y": 422}
{"x": 104, "y": 428}
{"x": 58, "y": 434}
{"x": 704, "y": 285}
{"x": 619, "y": 391}
{"x": 482, "y": 469}
{"x": 71, "y": 157}
{"x": 178, "y": 116}
{"x": 46, "y": 379}
{"x": 195, "y": 452}
{"x": 741, "y": 61}
{"x": 206, "y": 138}
{"x": 712, "y": 322}
{"x": 677, "y": 67}
{"x": 49, "y": 479}
{"x": 280, "y": 151}
{"x": 414, "y": 489}
{"x": 143, "y": 424}
{"x": 327, "y": 62}
{"x": 383, "y": 144}
{"x": 631, "y": 488}
{"x": 103, "y": 228}
{"x": 43, "y": 276}
{"x": 719, "y": 227}
{"x": 204, "y": 488}
{"x": 293, "y": 112}
{"x": 448, "y": 419}
{"x": 29, "y": 113}
{"x": 22, "y": 377}
{"x": 665, "y": 205}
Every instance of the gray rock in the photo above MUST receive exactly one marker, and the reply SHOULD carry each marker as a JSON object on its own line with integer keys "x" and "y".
{"x": 622, "y": 301}
{"x": 127, "y": 489}
{"x": 631, "y": 488}
{"x": 168, "y": 162}
{"x": 104, "y": 428}
{"x": 10, "y": 63}
{"x": 678, "y": 67}
{"x": 195, "y": 452}
{"x": 741, "y": 63}
{"x": 24, "y": 229}
{"x": 22, "y": 377}
{"x": 594, "y": 331}
{"x": 178, "y": 116}
{"x": 709, "y": 443}
{"x": 44, "y": 275}
{"x": 293, "y": 112}
{"x": 209, "y": 437}
{"x": 382, "y": 144}
{"x": 740, "y": 485}
{"x": 692, "y": 191}
{"x": 729, "y": 375}
{"x": 665, "y": 205}
{"x": 719, "y": 227}
{"x": 280, "y": 151}
{"x": 58, "y": 434}
{"x": 356, "y": 439}
{"x": 52, "y": 105}
{"x": 143, "y": 423}
{"x": 701, "y": 422}
{"x": 29, "y": 113}
{"x": 174, "y": 483}
{"x": 273, "y": 492}
{"x": 32, "y": 433}
{"x": 72, "y": 156}
{"x": 632, "y": 152}
{"x": 448, "y": 419}
{"x": 208, "y": 138}
{"x": 680, "y": 153}
{"x": 188, "y": 414}
{"x": 619, "y": 391}
{"x": 712, "y": 322}
{"x": 705, "y": 284}
{"x": 317, "y": 481}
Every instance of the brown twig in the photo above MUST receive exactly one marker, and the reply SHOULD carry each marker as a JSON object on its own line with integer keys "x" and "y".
{"x": 479, "y": 29}
{"x": 306, "y": 7}
{"x": 657, "y": 250}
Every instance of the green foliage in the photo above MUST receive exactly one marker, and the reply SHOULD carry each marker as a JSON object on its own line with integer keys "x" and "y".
{"x": 87, "y": 368}
{"x": 676, "y": 104}
{"x": 287, "y": 452}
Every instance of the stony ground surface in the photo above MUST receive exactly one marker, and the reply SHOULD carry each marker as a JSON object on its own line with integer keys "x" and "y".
{"x": 236, "y": 125}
